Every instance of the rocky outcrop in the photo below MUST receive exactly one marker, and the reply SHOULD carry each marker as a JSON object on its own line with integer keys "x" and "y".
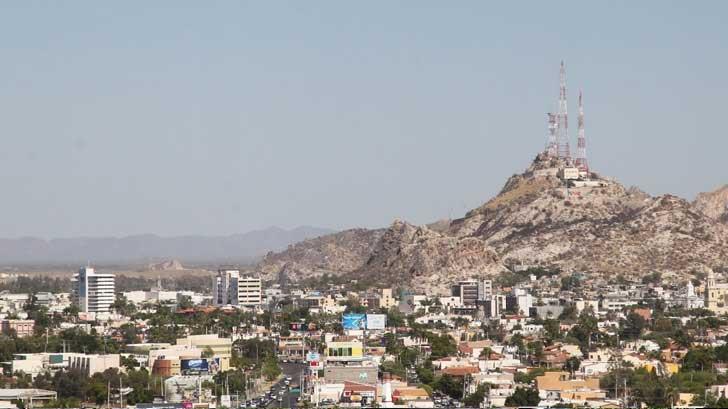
{"x": 169, "y": 265}
{"x": 537, "y": 220}
{"x": 337, "y": 253}
{"x": 714, "y": 204}
{"x": 426, "y": 259}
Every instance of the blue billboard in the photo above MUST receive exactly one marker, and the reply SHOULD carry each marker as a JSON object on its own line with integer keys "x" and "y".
{"x": 354, "y": 321}
{"x": 198, "y": 366}
{"x": 194, "y": 365}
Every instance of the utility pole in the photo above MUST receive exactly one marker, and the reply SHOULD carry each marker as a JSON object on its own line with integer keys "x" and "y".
{"x": 465, "y": 382}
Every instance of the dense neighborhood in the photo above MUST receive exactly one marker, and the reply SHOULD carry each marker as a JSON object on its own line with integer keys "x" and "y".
{"x": 532, "y": 337}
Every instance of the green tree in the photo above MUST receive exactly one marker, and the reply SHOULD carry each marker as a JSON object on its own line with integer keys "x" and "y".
{"x": 129, "y": 363}
{"x": 271, "y": 369}
{"x": 633, "y": 326}
{"x": 425, "y": 373}
{"x": 122, "y": 306}
{"x": 441, "y": 346}
{"x": 185, "y": 302}
{"x": 129, "y": 333}
{"x": 570, "y": 282}
{"x": 450, "y": 386}
{"x": 139, "y": 381}
{"x": 653, "y": 278}
{"x": 528, "y": 377}
{"x": 523, "y": 397}
{"x": 572, "y": 365}
{"x": 569, "y": 314}
{"x": 395, "y": 318}
{"x": 553, "y": 329}
{"x": 252, "y": 351}
{"x": 394, "y": 367}
{"x": 709, "y": 400}
{"x": 698, "y": 359}
{"x": 476, "y": 398}
{"x": 70, "y": 383}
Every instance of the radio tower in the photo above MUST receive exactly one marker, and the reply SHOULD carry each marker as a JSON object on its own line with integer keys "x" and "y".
{"x": 563, "y": 118}
{"x": 581, "y": 162}
{"x": 552, "y": 147}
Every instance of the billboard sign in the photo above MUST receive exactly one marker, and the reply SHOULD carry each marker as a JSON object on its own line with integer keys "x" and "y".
{"x": 194, "y": 365}
{"x": 302, "y": 326}
{"x": 197, "y": 366}
{"x": 298, "y": 326}
{"x": 376, "y": 321}
{"x": 353, "y": 321}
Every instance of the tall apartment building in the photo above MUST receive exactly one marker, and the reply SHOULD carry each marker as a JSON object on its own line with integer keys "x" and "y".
{"x": 519, "y": 302}
{"x": 467, "y": 291}
{"x": 485, "y": 289}
{"x": 472, "y": 291}
{"x": 92, "y": 291}
{"x": 229, "y": 287}
{"x": 494, "y": 306}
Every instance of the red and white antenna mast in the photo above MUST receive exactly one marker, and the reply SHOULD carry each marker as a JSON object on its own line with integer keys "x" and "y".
{"x": 563, "y": 117}
{"x": 581, "y": 162}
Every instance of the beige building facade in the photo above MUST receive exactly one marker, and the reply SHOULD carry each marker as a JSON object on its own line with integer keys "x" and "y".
{"x": 716, "y": 295}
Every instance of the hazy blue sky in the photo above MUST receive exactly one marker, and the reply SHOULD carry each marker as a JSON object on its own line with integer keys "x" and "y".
{"x": 191, "y": 118}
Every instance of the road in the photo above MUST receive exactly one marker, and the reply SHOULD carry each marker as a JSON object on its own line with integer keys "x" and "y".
{"x": 289, "y": 399}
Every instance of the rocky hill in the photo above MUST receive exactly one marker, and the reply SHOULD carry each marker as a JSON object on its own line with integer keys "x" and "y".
{"x": 714, "y": 204}
{"x": 168, "y": 265}
{"x": 426, "y": 259}
{"x": 336, "y": 253}
{"x": 535, "y": 220}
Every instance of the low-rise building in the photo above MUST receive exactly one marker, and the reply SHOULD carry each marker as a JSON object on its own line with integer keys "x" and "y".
{"x": 210, "y": 344}
{"x": 351, "y": 373}
{"x": 559, "y": 385}
{"x": 92, "y": 364}
{"x": 292, "y": 348}
{"x": 343, "y": 349}
{"x": 21, "y": 328}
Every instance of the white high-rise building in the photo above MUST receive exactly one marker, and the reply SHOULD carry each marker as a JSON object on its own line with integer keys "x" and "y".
{"x": 485, "y": 289}
{"x": 92, "y": 291}
{"x": 229, "y": 287}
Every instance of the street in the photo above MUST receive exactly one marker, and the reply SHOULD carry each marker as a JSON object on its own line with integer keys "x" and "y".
{"x": 292, "y": 373}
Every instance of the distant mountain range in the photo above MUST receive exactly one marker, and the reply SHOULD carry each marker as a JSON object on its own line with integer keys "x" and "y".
{"x": 146, "y": 248}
